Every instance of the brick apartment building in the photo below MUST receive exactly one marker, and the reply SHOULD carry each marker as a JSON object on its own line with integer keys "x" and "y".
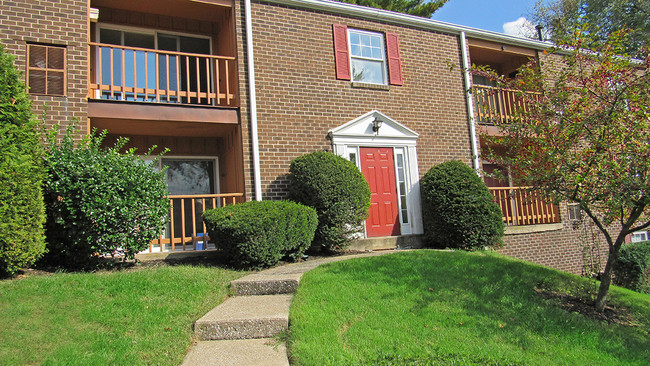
{"x": 237, "y": 89}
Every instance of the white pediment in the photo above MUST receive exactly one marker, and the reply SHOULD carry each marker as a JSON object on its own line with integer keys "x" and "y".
{"x": 361, "y": 127}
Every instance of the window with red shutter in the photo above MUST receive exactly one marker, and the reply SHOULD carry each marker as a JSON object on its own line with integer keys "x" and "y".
{"x": 364, "y": 57}
{"x": 46, "y": 69}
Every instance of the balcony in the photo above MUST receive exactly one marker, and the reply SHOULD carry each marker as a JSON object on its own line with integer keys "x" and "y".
{"x": 494, "y": 106}
{"x": 155, "y": 76}
{"x": 186, "y": 230}
{"x": 520, "y": 206}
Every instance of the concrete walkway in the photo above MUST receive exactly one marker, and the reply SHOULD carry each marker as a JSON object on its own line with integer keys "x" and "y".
{"x": 241, "y": 330}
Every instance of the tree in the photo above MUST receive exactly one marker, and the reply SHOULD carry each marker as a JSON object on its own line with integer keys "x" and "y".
{"x": 604, "y": 17}
{"x": 21, "y": 174}
{"x": 586, "y": 137}
{"x": 422, "y": 8}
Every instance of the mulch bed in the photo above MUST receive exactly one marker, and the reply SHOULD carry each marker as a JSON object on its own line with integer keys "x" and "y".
{"x": 611, "y": 314}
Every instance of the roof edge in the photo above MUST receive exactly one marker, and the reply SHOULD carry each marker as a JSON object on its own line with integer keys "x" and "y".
{"x": 412, "y": 20}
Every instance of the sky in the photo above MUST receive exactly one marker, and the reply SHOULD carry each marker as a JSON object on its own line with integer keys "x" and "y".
{"x": 491, "y": 15}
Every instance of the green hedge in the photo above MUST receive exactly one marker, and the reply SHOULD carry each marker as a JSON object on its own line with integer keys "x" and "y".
{"x": 259, "y": 234}
{"x": 21, "y": 174}
{"x": 337, "y": 190}
{"x": 632, "y": 268}
{"x": 458, "y": 209}
{"x": 100, "y": 201}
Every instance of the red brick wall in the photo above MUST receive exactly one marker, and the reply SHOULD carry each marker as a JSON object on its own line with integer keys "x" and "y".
{"x": 57, "y": 22}
{"x": 567, "y": 249}
{"x": 300, "y": 100}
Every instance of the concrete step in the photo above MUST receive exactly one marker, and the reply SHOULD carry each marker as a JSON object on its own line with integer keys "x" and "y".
{"x": 387, "y": 242}
{"x": 283, "y": 279}
{"x": 244, "y": 317}
{"x": 245, "y": 352}
{"x": 264, "y": 284}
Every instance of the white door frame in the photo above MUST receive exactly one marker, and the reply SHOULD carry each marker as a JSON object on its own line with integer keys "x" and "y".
{"x": 347, "y": 139}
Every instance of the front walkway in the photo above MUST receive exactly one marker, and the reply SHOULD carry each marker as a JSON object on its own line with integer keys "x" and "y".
{"x": 241, "y": 330}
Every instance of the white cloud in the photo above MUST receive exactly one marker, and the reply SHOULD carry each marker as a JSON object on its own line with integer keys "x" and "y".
{"x": 521, "y": 27}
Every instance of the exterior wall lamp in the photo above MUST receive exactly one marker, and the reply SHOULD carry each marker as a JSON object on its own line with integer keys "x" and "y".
{"x": 376, "y": 124}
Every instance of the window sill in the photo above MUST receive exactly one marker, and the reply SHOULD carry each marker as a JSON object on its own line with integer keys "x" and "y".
{"x": 360, "y": 85}
{"x": 528, "y": 229}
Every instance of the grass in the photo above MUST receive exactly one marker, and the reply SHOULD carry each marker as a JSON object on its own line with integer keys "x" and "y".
{"x": 134, "y": 317}
{"x": 455, "y": 308}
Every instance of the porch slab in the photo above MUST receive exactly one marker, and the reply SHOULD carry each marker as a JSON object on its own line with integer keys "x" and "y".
{"x": 245, "y": 317}
{"x": 246, "y": 352}
{"x": 387, "y": 242}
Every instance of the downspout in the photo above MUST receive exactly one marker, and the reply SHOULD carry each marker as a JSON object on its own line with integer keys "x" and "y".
{"x": 470, "y": 102}
{"x": 252, "y": 104}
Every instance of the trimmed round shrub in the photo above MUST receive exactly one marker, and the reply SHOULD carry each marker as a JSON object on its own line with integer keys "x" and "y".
{"x": 259, "y": 234}
{"x": 632, "y": 268}
{"x": 458, "y": 209}
{"x": 337, "y": 190}
{"x": 100, "y": 201}
{"x": 21, "y": 174}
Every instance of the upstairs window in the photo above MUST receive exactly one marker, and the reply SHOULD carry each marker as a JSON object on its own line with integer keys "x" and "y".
{"x": 367, "y": 57}
{"x": 46, "y": 69}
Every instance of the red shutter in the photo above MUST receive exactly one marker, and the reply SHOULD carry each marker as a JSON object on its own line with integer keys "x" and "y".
{"x": 394, "y": 60}
{"x": 341, "y": 53}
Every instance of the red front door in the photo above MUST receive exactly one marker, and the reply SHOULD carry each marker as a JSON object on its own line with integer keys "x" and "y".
{"x": 379, "y": 169}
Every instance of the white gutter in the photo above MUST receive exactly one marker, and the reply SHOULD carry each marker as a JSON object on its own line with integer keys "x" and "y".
{"x": 470, "y": 102}
{"x": 411, "y": 20}
{"x": 252, "y": 103}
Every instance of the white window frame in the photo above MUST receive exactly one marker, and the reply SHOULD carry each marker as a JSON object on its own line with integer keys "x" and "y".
{"x": 574, "y": 212}
{"x": 157, "y": 162}
{"x": 638, "y": 236}
{"x": 383, "y": 55}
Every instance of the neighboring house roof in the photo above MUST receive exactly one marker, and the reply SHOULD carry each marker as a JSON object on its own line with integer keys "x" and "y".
{"x": 411, "y": 21}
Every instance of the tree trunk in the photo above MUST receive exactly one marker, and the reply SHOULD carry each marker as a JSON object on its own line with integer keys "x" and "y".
{"x": 606, "y": 279}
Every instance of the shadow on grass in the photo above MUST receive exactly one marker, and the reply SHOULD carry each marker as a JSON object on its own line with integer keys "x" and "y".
{"x": 212, "y": 258}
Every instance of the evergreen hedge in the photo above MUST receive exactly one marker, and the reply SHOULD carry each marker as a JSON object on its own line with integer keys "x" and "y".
{"x": 458, "y": 209}
{"x": 100, "y": 201}
{"x": 21, "y": 174}
{"x": 259, "y": 234}
{"x": 337, "y": 190}
{"x": 632, "y": 267}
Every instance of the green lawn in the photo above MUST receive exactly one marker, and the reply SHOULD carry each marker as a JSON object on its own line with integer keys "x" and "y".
{"x": 455, "y": 308}
{"x": 134, "y": 317}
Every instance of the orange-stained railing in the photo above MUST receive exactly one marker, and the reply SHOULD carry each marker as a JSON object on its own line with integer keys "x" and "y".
{"x": 186, "y": 229}
{"x": 146, "y": 75}
{"x": 521, "y": 206}
{"x": 496, "y": 106}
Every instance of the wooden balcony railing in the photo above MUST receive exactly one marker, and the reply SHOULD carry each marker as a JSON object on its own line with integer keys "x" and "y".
{"x": 186, "y": 230}
{"x": 496, "y": 106}
{"x": 520, "y": 206}
{"x": 146, "y": 75}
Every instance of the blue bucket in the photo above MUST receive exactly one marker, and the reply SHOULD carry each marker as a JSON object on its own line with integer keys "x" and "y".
{"x": 201, "y": 245}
